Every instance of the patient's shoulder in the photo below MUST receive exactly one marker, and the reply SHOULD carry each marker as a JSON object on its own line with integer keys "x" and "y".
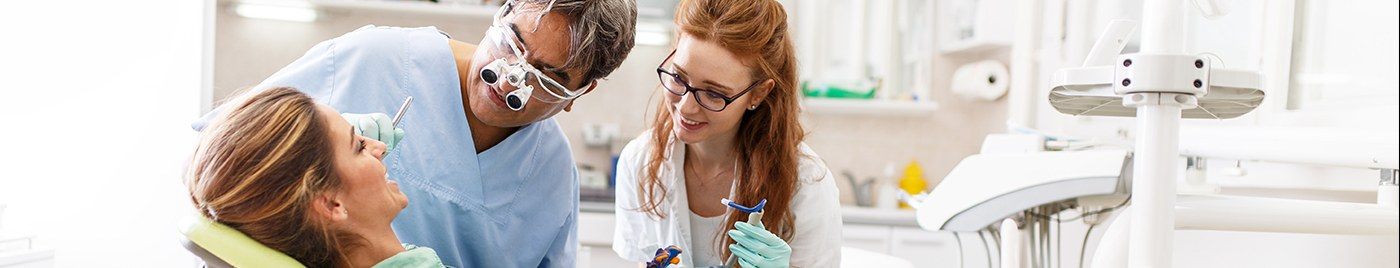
{"x": 413, "y": 256}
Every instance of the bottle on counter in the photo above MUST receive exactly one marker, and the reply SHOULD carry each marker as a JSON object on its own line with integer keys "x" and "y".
{"x": 913, "y": 182}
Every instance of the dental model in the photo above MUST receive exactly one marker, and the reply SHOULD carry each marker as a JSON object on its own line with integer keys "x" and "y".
{"x": 665, "y": 257}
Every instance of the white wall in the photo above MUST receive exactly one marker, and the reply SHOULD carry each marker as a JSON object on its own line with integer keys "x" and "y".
{"x": 97, "y": 98}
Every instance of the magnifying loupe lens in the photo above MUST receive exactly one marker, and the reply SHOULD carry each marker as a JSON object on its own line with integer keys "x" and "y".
{"x": 489, "y": 76}
{"x": 514, "y": 102}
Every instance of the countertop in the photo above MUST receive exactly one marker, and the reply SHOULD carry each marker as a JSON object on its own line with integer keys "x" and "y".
{"x": 849, "y": 214}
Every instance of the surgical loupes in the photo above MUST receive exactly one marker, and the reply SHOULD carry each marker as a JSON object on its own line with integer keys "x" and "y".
{"x": 515, "y": 76}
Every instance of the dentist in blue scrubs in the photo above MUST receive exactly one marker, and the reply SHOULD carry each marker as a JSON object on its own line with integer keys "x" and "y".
{"x": 488, "y": 173}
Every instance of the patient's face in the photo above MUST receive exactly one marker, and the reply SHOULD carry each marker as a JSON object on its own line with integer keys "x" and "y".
{"x": 368, "y": 195}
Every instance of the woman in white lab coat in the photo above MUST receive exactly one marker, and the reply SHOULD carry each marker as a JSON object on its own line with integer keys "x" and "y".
{"x": 726, "y": 126}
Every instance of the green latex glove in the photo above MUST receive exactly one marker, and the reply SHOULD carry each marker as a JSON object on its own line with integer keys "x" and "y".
{"x": 758, "y": 248}
{"x": 376, "y": 126}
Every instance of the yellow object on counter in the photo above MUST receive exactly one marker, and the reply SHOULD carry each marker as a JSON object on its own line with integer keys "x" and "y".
{"x": 913, "y": 181}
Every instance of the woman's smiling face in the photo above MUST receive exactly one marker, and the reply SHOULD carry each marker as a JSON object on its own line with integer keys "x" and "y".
{"x": 705, "y": 65}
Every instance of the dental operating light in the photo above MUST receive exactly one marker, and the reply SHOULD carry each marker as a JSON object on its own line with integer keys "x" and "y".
{"x": 1109, "y": 84}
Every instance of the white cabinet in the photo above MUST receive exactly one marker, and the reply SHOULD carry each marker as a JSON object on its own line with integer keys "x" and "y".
{"x": 868, "y": 237}
{"x": 19, "y": 252}
{"x": 27, "y": 259}
{"x": 922, "y": 247}
{"x": 970, "y": 26}
{"x": 595, "y": 235}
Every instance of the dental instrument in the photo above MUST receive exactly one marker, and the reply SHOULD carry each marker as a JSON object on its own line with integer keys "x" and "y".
{"x": 755, "y": 209}
{"x": 755, "y": 217}
{"x": 965, "y": 202}
{"x": 398, "y": 116}
{"x": 667, "y": 256}
{"x": 1026, "y": 202}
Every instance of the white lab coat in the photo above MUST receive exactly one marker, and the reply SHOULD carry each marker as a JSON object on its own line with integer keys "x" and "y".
{"x": 816, "y": 209}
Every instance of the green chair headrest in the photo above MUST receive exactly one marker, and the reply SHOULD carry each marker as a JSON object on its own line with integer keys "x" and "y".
{"x": 232, "y": 246}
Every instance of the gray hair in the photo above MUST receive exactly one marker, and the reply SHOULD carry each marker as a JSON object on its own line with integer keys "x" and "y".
{"x": 601, "y": 33}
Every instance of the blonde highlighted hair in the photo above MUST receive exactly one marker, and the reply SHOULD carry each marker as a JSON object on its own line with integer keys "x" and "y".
{"x": 259, "y": 169}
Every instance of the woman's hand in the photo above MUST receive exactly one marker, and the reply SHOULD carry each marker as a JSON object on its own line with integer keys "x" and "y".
{"x": 757, "y": 248}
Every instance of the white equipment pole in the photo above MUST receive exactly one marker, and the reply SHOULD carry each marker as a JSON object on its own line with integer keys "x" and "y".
{"x": 1154, "y": 184}
{"x": 1158, "y": 126}
{"x": 1160, "y": 85}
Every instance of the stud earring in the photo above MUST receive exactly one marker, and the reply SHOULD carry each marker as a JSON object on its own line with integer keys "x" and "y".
{"x": 751, "y": 108}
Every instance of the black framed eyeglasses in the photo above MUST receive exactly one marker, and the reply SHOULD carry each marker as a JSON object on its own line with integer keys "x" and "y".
{"x": 708, "y": 99}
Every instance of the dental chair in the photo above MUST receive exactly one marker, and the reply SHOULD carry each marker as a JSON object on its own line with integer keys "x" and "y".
{"x": 220, "y": 246}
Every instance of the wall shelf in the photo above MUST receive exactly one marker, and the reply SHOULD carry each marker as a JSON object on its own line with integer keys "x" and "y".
{"x": 414, "y": 7}
{"x": 403, "y": 7}
{"x": 868, "y": 107}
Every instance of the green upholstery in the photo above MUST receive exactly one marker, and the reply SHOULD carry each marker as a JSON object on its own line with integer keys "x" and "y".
{"x": 230, "y": 246}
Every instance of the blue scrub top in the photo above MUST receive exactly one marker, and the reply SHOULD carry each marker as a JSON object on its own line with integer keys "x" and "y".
{"x": 514, "y": 205}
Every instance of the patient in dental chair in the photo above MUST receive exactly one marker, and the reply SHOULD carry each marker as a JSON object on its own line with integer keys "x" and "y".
{"x": 292, "y": 175}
